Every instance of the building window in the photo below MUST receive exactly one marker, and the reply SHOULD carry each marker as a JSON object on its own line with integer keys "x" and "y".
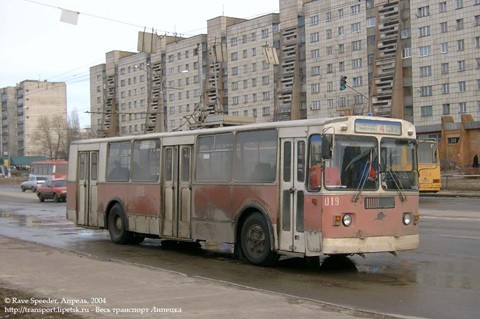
{"x": 235, "y": 100}
{"x": 462, "y": 107}
{"x": 460, "y": 24}
{"x": 462, "y": 86}
{"x": 356, "y": 63}
{"x": 405, "y": 33}
{"x": 425, "y": 31}
{"x": 357, "y": 81}
{"x": 315, "y": 88}
{"x": 355, "y": 9}
{"x": 458, "y": 4}
{"x": 328, "y": 16}
{"x": 446, "y": 109}
{"x": 442, "y": 7}
{"x": 426, "y": 90}
{"x": 329, "y": 33}
{"x": 329, "y": 68}
{"x": 356, "y": 27}
{"x": 266, "y": 80}
{"x": 341, "y": 66}
{"x": 316, "y": 105}
{"x": 329, "y": 50}
{"x": 314, "y": 20}
{"x": 315, "y": 70}
{"x": 445, "y": 88}
{"x": 315, "y": 54}
{"x": 426, "y": 71}
{"x": 426, "y": 50}
{"x": 264, "y": 33}
{"x": 444, "y": 27}
{"x": 234, "y": 56}
{"x": 341, "y": 48}
{"x": 444, "y": 67}
{"x": 477, "y": 20}
{"x": 340, "y": 13}
{"x": 423, "y": 12}
{"x": 266, "y": 96}
{"x": 357, "y": 45}
{"x": 329, "y": 86}
{"x": 266, "y": 111}
{"x": 407, "y": 53}
{"x": 371, "y": 22}
{"x": 453, "y": 140}
{"x": 314, "y": 37}
{"x": 477, "y": 42}
{"x": 444, "y": 47}
{"x": 341, "y": 30}
{"x": 478, "y": 84}
{"x": 426, "y": 111}
{"x": 460, "y": 45}
{"x": 461, "y": 65}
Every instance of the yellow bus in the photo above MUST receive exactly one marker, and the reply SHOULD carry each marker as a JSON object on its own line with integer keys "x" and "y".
{"x": 429, "y": 178}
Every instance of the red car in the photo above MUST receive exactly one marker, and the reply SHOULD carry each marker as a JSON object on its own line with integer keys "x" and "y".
{"x": 55, "y": 189}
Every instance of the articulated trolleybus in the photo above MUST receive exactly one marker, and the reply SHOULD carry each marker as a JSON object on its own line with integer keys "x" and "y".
{"x": 346, "y": 185}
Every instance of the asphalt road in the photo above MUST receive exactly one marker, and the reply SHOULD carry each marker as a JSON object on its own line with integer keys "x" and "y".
{"x": 439, "y": 280}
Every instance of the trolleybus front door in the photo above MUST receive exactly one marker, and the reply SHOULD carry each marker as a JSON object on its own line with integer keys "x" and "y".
{"x": 292, "y": 190}
{"x": 87, "y": 188}
{"x": 177, "y": 191}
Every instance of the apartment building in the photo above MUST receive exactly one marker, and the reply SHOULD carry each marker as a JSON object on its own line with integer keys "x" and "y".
{"x": 410, "y": 59}
{"x": 252, "y": 77}
{"x": 186, "y": 63}
{"x": 445, "y": 61}
{"x": 23, "y": 106}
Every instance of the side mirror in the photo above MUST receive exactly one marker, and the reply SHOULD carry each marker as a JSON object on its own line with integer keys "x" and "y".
{"x": 327, "y": 148}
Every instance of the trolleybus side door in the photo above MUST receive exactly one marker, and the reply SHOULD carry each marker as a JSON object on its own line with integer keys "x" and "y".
{"x": 177, "y": 190}
{"x": 292, "y": 190}
{"x": 87, "y": 188}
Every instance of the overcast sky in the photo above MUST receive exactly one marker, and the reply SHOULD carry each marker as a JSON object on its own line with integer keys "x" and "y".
{"x": 36, "y": 45}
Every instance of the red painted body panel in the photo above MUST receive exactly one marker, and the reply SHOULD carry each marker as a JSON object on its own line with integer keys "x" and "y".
{"x": 368, "y": 222}
{"x": 138, "y": 199}
{"x": 224, "y": 202}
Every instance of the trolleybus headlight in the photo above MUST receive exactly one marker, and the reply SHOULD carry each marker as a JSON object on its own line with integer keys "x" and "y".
{"x": 407, "y": 218}
{"x": 347, "y": 220}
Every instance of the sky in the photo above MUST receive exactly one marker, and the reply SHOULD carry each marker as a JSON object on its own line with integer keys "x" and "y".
{"x": 36, "y": 45}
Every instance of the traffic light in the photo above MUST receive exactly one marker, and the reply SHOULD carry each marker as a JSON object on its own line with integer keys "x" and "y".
{"x": 343, "y": 83}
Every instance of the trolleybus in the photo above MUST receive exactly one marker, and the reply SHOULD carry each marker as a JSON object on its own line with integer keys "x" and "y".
{"x": 50, "y": 168}
{"x": 429, "y": 175}
{"x": 346, "y": 185}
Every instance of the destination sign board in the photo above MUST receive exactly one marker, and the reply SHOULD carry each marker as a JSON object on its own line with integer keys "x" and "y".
{"x": 378, "y": 127}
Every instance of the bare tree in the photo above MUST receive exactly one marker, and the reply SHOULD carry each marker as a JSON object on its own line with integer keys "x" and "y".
{"x": 50, "y": 136}
{"x": 73, "y": 130}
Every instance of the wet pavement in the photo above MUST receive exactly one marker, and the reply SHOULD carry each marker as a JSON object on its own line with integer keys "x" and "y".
{"x": 439, "y": 280}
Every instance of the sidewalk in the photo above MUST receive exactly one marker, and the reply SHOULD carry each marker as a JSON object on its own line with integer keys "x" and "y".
{"x": 72, "y": 282}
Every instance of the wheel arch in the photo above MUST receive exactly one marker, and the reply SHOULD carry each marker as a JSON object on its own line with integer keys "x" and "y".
{"x": 244, "y": 213}
{"x": 108, "y": 208}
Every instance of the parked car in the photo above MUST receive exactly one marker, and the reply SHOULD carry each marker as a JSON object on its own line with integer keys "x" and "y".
{"x": 55, "y": 189}
{"x": 32, "y": 183}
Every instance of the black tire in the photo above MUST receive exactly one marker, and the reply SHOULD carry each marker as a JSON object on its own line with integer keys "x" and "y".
{"x": 255, "y": 241}
{"x": 41, "y": 198}
{"x": 33, "y": 189}
{"x": 23, "y": 189}
{"x": 117, "y": 226}
{"x": 56, "y": 199}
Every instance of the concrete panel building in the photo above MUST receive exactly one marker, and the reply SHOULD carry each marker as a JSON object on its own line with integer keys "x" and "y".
{"x": 23, "y": 107}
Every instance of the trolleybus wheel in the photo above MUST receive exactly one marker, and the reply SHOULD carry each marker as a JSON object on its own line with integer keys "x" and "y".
{"x": 255, "y": 241}
{"x": 117, "y": 226}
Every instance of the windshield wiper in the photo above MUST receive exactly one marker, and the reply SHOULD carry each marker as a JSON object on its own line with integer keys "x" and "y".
{"x": 363, "y": 180}
{"x": 398, "y": 184}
